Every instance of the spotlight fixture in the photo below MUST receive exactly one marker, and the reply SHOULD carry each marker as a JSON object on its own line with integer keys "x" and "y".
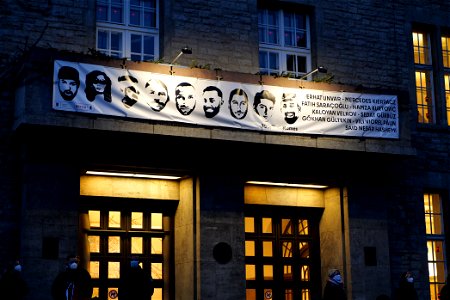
{"x": 320, "y": 69}
{"x": 184, "y": 50}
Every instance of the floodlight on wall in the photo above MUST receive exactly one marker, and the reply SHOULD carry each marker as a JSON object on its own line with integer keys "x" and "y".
{"x": 184, "y": 50}
{"x": 319, "y": 69}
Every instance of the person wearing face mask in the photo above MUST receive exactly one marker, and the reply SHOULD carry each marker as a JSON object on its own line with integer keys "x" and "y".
{"x": 334, "y": 288}
{"x": 406, "y": 290}
{"x": 12, "y": 284}
{"x": 74, "y": 283}
{"x": 136, "y": 283}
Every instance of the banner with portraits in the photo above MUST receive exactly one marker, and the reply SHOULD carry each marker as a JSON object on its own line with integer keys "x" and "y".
{"x": 96, "y": 89}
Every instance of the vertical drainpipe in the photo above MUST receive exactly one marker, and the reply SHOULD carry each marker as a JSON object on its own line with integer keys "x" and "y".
{"x": 194, "y": 222}
{"x": 344, "y": 254}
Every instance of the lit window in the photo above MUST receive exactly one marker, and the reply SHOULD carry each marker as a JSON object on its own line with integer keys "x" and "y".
{"x": 286, "y": 249}
{"x": 114, "y": 244}
{"x": 113, "y": 269}
{"x": 435, "y": 242}
{"x": 94, "y": 269}
{"x": 268, "y": 272}
{"x": 421, "y": 48}
{"x": 156, "y": 245}
{"x": 304, "y": 273}
{"x": 424, "y": 79}
{"x": 287, "y": 272}
{"x": 447, "y": 96}
{"x": 249, "y": 224}
{"x": 424, "y": 97}
{"x": 114, "y": 219}
{"x": 157, "y": 221}
{"x": 286, "y": 226}
{"x": 250, "y": 272}
{"x": 267, "y": 249}
{"x": 250, "y": 248}
{"x": 157, "y": 271}
{"x": 303, "y": 227}
{"x": 445, "y": 40}
{"x": 266, "y": 225}
{"x": 94, "y": 218}
{"x": 137, "y": 220}
{"x": 94, "y": 243}
{"x": 284, "y": 42}
{"x": 137, "y": 245}
{"x": 128, "y": 29}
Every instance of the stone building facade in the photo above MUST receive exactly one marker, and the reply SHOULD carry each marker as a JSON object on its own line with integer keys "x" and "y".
{"x": 367, "y": 220}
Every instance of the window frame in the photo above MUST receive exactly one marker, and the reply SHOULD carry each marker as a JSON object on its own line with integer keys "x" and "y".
{"x": 423, "y": 74}
{"x": 432, "y": 238}
{"x": 127, "y": 30}
{"x": 280, "y": 48}
{"x": 446, "y": 72}
{"x": 438, "y": 88}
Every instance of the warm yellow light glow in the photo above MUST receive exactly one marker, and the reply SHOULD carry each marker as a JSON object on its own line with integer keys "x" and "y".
{"x": 134, "y": 175}
{"x": 311, "y": 186}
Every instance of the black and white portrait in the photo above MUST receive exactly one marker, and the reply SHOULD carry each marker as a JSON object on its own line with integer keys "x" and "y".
{"x": 98, "y": 85}
{"x": 129, "y": 89}
{"x": 185, "y": 98}
{"x": 290, "y": 109}
{"x": 263, "y": 104}
{"x": 212, "y": 101}
{"x": 238, "y": 103}
{"x": 68, "y": 82}
{"x": 157, "y": 95}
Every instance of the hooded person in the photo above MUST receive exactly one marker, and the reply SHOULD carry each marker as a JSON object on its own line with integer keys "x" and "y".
{"x": 334, "y": 288}
{"x": 406, "y": 290}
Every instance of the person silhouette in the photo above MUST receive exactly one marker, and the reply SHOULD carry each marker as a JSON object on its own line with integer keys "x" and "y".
{"x": 136, "y": 283}
{"x": 405, "y": 289}
{"x": 74, "y": 283}
{"x": 12, "y": 284}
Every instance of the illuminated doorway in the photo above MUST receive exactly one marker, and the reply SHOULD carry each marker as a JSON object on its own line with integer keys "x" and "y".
{"x": 114, "y": 233}
{"x": 282, "y": 254}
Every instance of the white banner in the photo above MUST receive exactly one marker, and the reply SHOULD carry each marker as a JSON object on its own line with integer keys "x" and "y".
{"x": 96, "y": 89}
